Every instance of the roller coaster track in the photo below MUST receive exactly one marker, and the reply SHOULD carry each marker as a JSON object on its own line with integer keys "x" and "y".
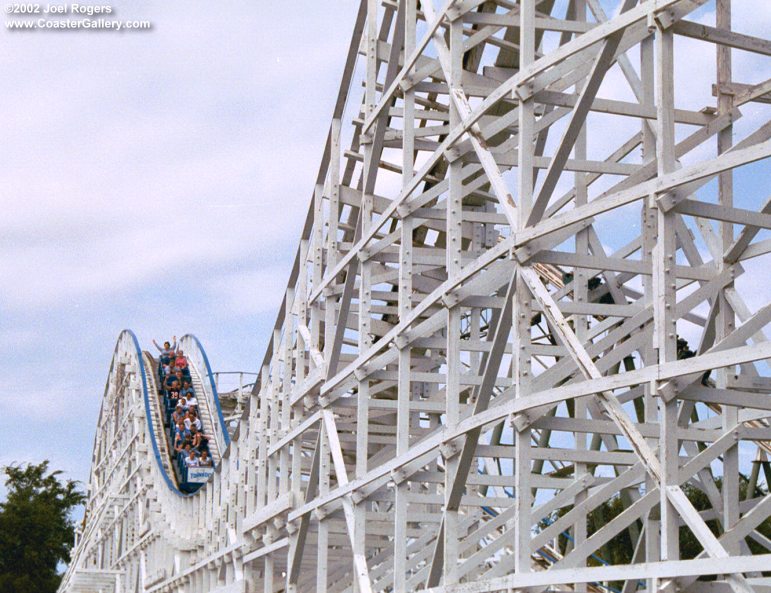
{"x": 156, "y": 417}
{"x": 517, "y": 304}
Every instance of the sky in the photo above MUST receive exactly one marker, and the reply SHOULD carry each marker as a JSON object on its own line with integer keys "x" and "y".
{"x": 158, "y": 181}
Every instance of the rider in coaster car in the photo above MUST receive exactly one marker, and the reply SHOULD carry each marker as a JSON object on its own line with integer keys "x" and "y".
{"x": 177, "y": 415}
{"x": 181, "y": 438}
{"x": 195, "y": 420}
{"x": 169, "y": 381}
{"x": 168, "y": 349}
{"x": 180, "y": 430}
{"x": 196, "y": 438}
{"x": 187, "y": 389}
{"x": 204, "y": 446}
{"x": 191, "y": 460}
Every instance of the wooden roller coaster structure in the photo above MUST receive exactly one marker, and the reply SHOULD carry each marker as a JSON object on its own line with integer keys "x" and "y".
{"x": 532, "y": 285}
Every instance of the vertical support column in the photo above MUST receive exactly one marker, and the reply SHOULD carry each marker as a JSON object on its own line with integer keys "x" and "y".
{"x": 252, "y": 470}
{"x": 322, "y": 559}
{"x": 664, "y": 284}
{"x": 301, "y": 299}
{"x": 315, "y": 321}
{"x": 522, "y": 298}
{"x": 725, "y": 321}
{"x": 649, "y": 230}
{"x": 330, "y": 305}
{"x": 317, "y": 262}
{"x": 284, "y": 400}
{"x": 365, "y": 288}
{"x": 271, "y": 436}
{"x": 261, "y": 439}
{"x": 405, "y": 306}
{"x": 317, "y": 253}
{"x": 232, "y": 477}
{"x": 333, "y": 223}
{"x": 454, "y": 236}
{"x": 580, "y": 295}
{"x": 301, "y": 362}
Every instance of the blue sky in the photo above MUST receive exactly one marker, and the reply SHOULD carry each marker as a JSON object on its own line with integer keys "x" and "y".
{"x": 158, "y": 181}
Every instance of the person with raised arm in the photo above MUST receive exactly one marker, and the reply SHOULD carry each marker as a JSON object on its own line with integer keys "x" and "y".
{"x": 168, "y": 349}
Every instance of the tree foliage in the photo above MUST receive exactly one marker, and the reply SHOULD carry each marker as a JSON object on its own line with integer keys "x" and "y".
{"x": 36, "y": 532}
{"x": 620, "y": 549}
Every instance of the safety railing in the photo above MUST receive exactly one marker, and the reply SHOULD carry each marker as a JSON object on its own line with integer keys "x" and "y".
{"x": 238, "y": 382}
{"x": 234, "y": 389}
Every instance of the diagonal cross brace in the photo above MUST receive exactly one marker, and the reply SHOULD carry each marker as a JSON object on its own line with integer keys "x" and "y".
{"x": 367, "y": 187}
{"x": 602, "y": 62}
{"x": 482, "y": 394}
{"x": 298, "y": 544}
{"x": 458, "y": 97}
{"x": 359, "y": 558}
{"x": 614, "y": 409}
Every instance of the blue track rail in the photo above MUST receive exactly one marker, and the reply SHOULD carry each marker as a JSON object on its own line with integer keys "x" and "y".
{"x": 146, "y": 395}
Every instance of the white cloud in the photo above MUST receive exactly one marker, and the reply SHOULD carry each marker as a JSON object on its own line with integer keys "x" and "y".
{"x": 184, "y": 138}
{"x": 251, "y": 292}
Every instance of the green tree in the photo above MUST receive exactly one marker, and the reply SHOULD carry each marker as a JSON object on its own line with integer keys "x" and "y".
{"x": 620, "y": 549}
{"x": 36, "y": 531}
